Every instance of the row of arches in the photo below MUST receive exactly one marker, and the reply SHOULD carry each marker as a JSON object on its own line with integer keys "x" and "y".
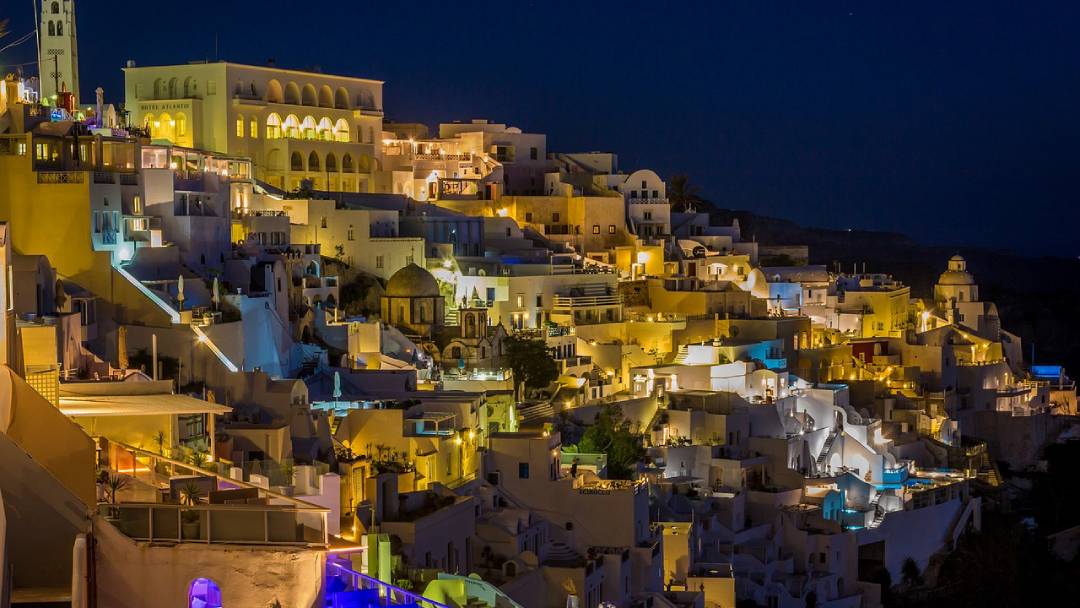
{"x": 166, "y": 126}
{"x": 56, "y": 28}
{"x": 323, "y": 97}
{"x": 329, "y": 163}
{"x": 294, "y": 128}
{"x": 171, "y": 88}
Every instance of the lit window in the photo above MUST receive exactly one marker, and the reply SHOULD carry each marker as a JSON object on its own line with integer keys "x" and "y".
{"x": 611, "y": 229}
{"x": 596, "y": 229}
{"x": 239, "y": 126}
{"x": 254, "y": 130}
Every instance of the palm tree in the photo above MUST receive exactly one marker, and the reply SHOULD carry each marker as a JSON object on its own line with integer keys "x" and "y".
{"x": 198, "y": 460}
{"x": 190, "y": 495}
{"x": 159, "y": 440}
{"x": 682, "y": 194}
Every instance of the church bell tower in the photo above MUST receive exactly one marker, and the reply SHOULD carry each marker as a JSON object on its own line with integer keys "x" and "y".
{"x": 58, "y": 57}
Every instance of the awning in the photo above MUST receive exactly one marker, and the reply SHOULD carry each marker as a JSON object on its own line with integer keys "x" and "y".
{"x": 138, "y": 405}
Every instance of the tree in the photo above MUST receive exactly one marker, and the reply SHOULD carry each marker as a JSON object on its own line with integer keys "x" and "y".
{"x": 532, "y": 364}
{"x": 682, "y": 194}
{"x": 611, "y": 435}
{"x": 910, "y": 572}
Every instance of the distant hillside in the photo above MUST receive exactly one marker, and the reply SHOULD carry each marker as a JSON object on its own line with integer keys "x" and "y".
{"x": 1038, "y": 298}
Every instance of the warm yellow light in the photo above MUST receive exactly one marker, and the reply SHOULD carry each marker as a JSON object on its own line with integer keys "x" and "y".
{"x": 642, "y": 257}
{"x": 502, "y": 212}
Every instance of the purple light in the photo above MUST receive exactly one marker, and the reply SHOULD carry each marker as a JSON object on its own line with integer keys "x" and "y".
{"x": 204, "y": 593}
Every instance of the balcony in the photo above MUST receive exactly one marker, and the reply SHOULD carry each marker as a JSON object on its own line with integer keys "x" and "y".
{"x": 587, "y": 301}
{"x": 61, "y": 177}
{"x": 226, "y": 511}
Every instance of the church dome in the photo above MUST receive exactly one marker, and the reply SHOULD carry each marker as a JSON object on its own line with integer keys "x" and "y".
{"x": 957, "y": 273}
{"x": 412, "y": 281}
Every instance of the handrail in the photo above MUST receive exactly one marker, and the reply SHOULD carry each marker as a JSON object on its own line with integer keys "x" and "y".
{"x": 392, "y": 594}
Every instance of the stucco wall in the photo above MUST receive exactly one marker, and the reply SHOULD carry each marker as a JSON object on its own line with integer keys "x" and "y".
{"x": 136, "y": 575}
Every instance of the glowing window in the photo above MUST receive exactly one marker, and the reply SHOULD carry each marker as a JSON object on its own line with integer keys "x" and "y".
{"x": 254, "y": 131}
{"x": 273, "y": 126}
{"x": 240, "y": 125}
{"x": 204, "y": 593}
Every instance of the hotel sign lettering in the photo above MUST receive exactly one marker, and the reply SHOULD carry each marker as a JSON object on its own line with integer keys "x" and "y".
{"x": 158, "y": 107}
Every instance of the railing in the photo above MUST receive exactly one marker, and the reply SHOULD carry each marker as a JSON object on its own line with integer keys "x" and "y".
{"x": 61, "y": 177}
{"x": 288, "y": 522}
{"x": 459, "y": 157}
{"x": 13, "y": 145}
{"x": 233, "y": 524}
{"x": 586, "y": 301}
{"x": 386, "y": 594}
{"x": 104, "y": 177}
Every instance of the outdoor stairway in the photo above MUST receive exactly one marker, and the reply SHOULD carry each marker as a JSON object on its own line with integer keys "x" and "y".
{"x": 988, "y": 471}
{"x": 680, "y": 357}
{"x": 450, "y": 318}
{"x": 879, "y": 513}
{"x": 825, "y": 449}
{"x": 536, "y": 411}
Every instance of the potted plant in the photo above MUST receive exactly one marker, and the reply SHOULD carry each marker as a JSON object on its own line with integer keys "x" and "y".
{"x": 198, "y": 459}
{"x": 189, "y": 518}
{"x": 113, "y": 484}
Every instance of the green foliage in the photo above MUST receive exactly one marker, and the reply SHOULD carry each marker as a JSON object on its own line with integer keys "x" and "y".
{"x": 531, "y": 362}
{"x": 611, "y": 435}
{"x": 190, "y": 494}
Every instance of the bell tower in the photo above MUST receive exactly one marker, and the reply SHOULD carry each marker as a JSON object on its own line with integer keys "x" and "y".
{"x": 58, "y": 56}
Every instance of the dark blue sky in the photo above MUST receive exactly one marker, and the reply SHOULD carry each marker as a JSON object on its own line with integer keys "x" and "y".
{"x": 955, "y": 122}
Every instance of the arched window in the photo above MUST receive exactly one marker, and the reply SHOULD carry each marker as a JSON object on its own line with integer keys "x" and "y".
{"x": 273, "y": 126}
{"x": 326, "y": 97}
{"x": 291, "y": 127}
{"x": 172, "y": 88}
{"x": 341, "y": 99}
{"x": 309, "y": 97}
{"x": 240, "y": 125}
{"x": 163, "y": 128}
{"x": 371, "y": 135}
{"x": 55, "y": 8}
{"x": 292, "y": 93}
{"x": 204, "y": 593}
{"x": 326, "y": 130}
{"x": 273, "y": 92}
{"x": 346, "y": 163}
{"x": 189, "y": 87}
{"x": 313, "y": 161}
{"x": 331, "y": 162}
{"x": 341, "y": 130}
{"x": 181, "y": 124}
{"x": 296, "y": 162}
{"x": 52, "y": 29}
{"x": 307, "y": 128}
{"x": 159, "y": 88}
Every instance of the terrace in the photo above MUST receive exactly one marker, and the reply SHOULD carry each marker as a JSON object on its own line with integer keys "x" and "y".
{"x": 151, "y": 498}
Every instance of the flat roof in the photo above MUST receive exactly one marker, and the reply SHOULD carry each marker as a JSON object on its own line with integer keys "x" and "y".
{"x": 268, "y": 68}
{"x": 138, "y": 405}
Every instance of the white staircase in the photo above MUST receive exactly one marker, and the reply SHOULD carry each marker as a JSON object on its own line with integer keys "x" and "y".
{"x": 825, "y": 449}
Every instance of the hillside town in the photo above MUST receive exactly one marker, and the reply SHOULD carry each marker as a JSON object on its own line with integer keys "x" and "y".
{"x": 262, "y": 346}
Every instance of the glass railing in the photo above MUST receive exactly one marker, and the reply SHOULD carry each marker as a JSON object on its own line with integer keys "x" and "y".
{"x": 359, "y": 585}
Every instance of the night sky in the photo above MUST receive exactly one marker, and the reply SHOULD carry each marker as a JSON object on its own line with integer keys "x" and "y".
{"x": 955, "y": 122}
